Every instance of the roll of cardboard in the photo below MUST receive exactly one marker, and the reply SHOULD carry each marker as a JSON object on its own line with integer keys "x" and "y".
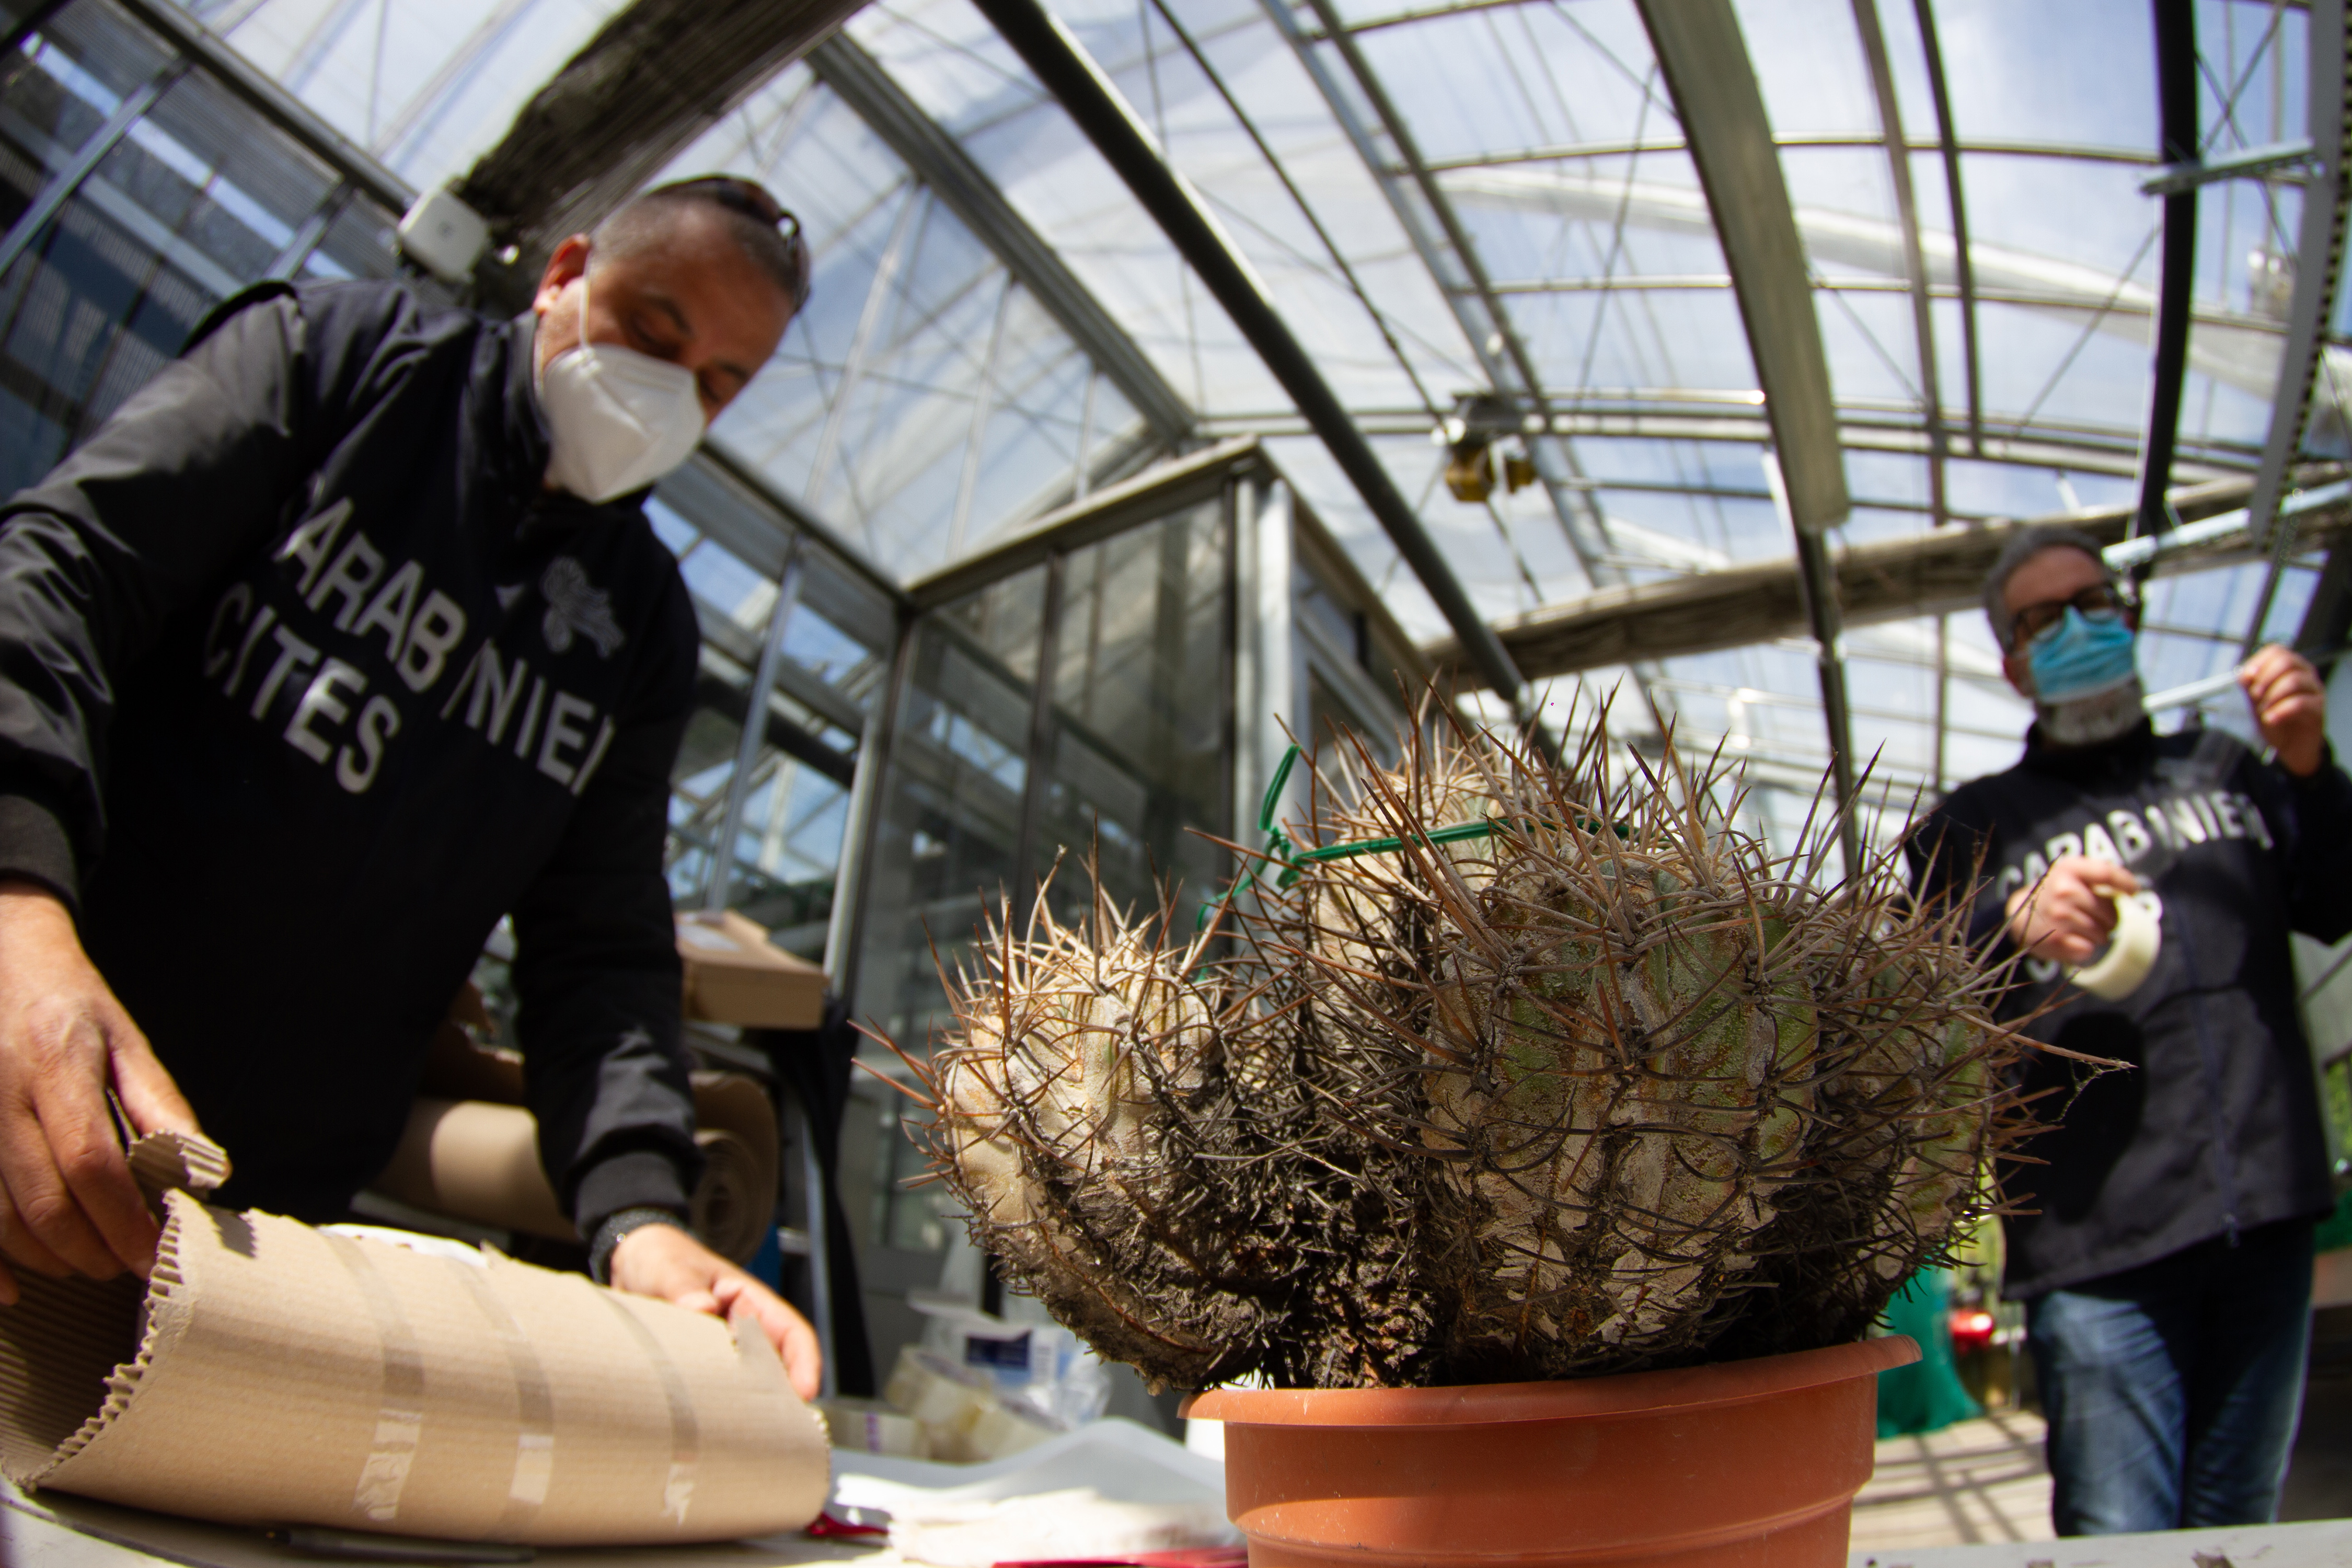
{"x": 477, "y": 1160}
{"x": 735, "y": 1202}
{"x": 271, "y": 1375}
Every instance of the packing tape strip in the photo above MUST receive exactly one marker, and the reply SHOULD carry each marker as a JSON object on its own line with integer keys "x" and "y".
{"x": 2131, "y": 953}
{"x": 534, "y": 1465}
{"x": 685, "y": 1430}
{"x": 400, "y": 1415}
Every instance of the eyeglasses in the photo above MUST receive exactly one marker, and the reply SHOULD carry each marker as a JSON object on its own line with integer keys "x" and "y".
{"x": 753, "y": 201}
{"x": 2029, "y": 622}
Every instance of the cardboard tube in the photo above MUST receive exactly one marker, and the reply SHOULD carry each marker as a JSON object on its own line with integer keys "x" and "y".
{"x": 735, "y": 1202}
{"x": 479, "y": 1161}
{"x": 274, "y": 1374}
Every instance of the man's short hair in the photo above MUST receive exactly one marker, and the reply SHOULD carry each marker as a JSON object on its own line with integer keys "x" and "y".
{"x": 2022, "y": 548}
{"x": 774, "y": 244}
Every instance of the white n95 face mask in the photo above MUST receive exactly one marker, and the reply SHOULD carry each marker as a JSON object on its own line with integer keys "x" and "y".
{"x": 618, "y": 420}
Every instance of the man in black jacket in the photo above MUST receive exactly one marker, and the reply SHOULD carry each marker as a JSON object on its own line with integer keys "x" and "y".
{"x": 345, "y": 638}
{"x": 2165, "y": 1256}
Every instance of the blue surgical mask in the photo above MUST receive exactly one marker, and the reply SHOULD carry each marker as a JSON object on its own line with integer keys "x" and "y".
{"x": 2082, "y": 656}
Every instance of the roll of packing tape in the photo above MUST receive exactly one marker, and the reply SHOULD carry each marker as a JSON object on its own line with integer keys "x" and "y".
{"x": 2131, "y": 953}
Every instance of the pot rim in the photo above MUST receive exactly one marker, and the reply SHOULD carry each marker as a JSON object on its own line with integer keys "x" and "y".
{"x": 1623, "y": 1394}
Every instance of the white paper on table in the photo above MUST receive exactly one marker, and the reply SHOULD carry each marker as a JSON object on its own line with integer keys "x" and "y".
{"x": 1112, "y": 1486}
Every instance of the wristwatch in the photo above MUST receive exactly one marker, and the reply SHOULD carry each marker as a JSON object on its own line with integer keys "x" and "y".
{"x": 616, "y": 1225}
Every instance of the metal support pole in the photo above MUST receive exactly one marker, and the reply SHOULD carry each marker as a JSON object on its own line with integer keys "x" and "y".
{"x": 820, "y": 1265}
{"x": 2176, "y": 100}
{"x": 1915, "y": 260}
{"x": 1818, "y": 578}
{"x": 845, "y": 936}
{"x": 1963, "y": 265}
{"x": 1817, "y": 584}
{"x": 2319, "y": 253}
{"x": 755, "y": 731}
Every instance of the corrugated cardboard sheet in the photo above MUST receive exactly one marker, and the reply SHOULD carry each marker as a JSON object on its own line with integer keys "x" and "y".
{"x": 272, "y": 1374}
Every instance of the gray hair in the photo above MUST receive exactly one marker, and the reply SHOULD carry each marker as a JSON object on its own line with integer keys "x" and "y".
{"x": 2022, "y": 547}
{"x": 646, "y": 220}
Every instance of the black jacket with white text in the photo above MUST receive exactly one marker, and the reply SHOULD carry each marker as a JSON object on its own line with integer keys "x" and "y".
{"x": 306, "y": 680}
{"x": 2216, "y": 1127}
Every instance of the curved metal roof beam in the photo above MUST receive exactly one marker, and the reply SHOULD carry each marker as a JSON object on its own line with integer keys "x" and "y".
{"x": 1914, "y": 261}
{"x": 1704, "y": 58}
{"x": 1064, "y": 68}
{"x": 1427, "y": 218}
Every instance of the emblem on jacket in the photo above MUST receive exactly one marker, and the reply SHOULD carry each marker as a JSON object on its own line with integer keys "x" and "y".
{"x": 575, "y": 607}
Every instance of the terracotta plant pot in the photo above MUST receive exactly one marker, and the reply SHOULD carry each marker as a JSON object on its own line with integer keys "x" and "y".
{"x": 1750, "y": 1464}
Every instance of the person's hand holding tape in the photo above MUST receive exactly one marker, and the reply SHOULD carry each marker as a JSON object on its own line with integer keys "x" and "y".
{"x": 2079, "y": 908}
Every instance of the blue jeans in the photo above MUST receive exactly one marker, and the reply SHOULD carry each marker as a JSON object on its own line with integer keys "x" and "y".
{"x": 2172, "y": 1389}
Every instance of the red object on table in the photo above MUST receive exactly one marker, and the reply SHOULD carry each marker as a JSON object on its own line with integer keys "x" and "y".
{"x": 826, "y": 1524}
{"x": 1972, "y": 1329}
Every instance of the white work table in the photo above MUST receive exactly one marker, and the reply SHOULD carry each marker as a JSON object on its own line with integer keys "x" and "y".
{"x": 2323, "y": 1543}
{"x": 52, "y": 1531}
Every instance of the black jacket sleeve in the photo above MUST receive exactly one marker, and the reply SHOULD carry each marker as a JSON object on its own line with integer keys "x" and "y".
{"x": 598, "y": 978}
{"x": 2315, "y": 847}
{"x": 191, "y": 471}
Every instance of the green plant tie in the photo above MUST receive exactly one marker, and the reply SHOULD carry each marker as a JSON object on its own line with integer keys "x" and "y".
{"x": 1294, "y": 861}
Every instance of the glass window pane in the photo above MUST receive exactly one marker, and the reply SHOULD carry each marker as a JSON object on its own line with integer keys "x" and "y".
{"x": 949, "y": 823}
{"x": 1138, "y": 752}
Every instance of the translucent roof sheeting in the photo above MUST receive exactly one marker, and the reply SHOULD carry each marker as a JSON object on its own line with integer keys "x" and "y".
{"x": 923, "y": 398}
{"x": 426, "y": 85}
{"x": 1438, "y": 194}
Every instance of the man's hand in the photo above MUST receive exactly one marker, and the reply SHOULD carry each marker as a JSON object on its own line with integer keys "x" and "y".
{"x": 666, "y": 1263}
{"x": 68, "y": 1203}
{"x": 2290, "y": 706}
{"x": 2067, "y": 915}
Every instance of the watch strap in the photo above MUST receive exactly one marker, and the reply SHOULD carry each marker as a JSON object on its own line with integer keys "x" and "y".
{"x": 616, "y": 1225}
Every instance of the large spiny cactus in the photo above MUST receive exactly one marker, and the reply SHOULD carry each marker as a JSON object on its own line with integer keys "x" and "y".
{"x": 1500, "y": 1068}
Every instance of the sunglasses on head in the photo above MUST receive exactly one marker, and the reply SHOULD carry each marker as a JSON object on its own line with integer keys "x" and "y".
{"x": 2029, "y": 621}
{"x": 753, "y": 201}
